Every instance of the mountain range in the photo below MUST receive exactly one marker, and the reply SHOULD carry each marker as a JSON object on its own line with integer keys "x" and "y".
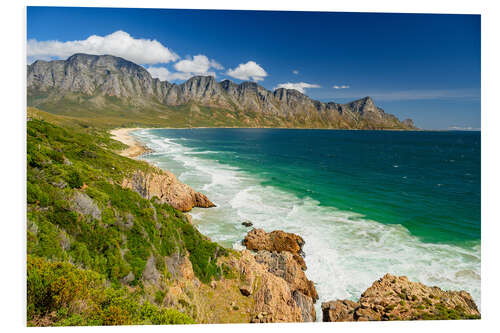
{"x": 120, "y": 92}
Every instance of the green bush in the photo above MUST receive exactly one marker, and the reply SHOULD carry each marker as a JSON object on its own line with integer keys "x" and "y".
{"x": 130, "y": 229}
{"x": 74, "y": 179}
{"x": 80, "y": 297}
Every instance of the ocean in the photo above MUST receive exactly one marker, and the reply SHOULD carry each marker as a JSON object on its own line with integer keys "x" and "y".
{"x": 366, "y": 202}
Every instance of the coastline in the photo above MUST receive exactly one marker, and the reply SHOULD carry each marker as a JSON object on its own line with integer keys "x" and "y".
{"x": 135, "y": 147}
{"x": 299, "y": 128}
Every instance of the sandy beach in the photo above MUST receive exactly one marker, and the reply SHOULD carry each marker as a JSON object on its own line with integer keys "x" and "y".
{"x": 135, "y": 148}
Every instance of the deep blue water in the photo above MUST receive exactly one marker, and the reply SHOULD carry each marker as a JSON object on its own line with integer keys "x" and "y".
{"x": 366, "y": 202}
{"x": 427, "y": 181}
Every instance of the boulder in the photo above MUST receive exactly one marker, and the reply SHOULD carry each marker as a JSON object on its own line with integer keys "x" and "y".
{"x": 279, "y": 241}
{"x": 397, "y": 298}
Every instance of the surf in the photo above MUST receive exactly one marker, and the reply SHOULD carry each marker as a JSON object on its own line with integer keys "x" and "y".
{"x": 345, "y": 251}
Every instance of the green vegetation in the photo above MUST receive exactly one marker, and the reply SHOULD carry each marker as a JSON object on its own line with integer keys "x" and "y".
{"x": 60, "y": 294}
{"x": 108, "y": 111}
{"x": 441, "y": 312}
{"x": 78, "y": 213}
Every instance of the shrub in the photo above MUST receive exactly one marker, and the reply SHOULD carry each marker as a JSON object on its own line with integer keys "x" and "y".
{"x": 74, "y": 179}
{"x": 69, "y": 296}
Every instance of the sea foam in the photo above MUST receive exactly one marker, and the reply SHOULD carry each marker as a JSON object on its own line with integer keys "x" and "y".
{"x": 345, "y": 253}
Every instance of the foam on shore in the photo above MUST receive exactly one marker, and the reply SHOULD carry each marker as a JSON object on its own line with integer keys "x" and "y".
{"x": 345, "y": 253}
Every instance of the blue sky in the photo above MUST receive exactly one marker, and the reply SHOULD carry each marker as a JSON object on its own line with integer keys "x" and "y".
{"x": 419, "y": 66}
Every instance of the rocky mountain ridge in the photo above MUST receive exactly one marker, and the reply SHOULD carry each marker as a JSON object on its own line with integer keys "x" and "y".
{"x": 96, "y": 76}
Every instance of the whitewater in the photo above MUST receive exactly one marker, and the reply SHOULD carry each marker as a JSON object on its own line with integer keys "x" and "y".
{"x": 345, "y": 252}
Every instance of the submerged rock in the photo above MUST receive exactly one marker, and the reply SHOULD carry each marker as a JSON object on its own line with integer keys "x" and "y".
{"x": 397, "y": 298}
{"x": 247, "y": 223}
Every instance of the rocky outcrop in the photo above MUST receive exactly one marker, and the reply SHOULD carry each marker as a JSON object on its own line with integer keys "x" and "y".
{"x": 272, "y": 297}
{"x": 83, "y": 204}
{"x": 167, "y": 188}
{"x": 397, "y": 298}
{"x": 105, "y": 75}
{"x": 280, "y": 253}
{"x": 279, "y": 241}
{"x": 284, "y": 265}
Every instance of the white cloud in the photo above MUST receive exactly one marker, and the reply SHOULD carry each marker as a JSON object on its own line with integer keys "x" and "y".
{"x": 295, "y": 71}
{"x": 198, "y": 65}
{"x": 119, "y": 43}
{"x": 466, "y": 128}
{"x": 300, "y": 86}
{"x": 165, "y": 75}
{"x": 249, "y": 71}
{"x": 341, "y": 86}
{"x": 409, "y": 95}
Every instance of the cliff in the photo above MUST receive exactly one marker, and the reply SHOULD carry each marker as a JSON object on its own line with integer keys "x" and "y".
{"x": 95, "y": 85}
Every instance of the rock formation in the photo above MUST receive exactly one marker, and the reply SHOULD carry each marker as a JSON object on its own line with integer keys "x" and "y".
{"x": 279, "y": 241}
{"x": 397, "y": 298}
{"x": 103, "y": 76}
{"x": 279, "y": 253}
{"x": 167, "y": 188}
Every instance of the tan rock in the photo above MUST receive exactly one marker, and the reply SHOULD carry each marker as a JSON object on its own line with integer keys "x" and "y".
{"x": 272, "y": 297}
{"x": 166, "y": 187}
{"x": 397, "y": 298}
{"x": 286, "y": 267}
{"x": 279, "y": 241}
{"x": 339, "y": 310}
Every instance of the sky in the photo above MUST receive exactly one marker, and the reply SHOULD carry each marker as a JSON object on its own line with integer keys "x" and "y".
{"x": 421, "y": 66}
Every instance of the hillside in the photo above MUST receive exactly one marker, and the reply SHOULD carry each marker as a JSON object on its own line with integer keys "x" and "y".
{"x": 108, "y": 243}
{"x": 115, "y": 92}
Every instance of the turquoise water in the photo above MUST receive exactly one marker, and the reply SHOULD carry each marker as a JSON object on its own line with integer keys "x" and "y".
{"x": 366, "y": 202}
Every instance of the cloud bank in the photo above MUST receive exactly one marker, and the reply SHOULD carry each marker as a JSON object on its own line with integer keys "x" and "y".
{"x": 119, "y": 43}
{"x": 341, "y": 86}
{"x": 300, "y": 86}
{"x": 165, "y": 75}
{"x": 249, "y": 71}
{"x": 197, "y": 65}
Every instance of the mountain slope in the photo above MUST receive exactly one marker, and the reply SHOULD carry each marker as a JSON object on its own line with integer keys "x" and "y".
{"x": 114, "y": 88}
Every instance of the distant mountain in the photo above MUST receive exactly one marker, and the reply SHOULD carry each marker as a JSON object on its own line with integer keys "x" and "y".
{"x": 112, "y": 87}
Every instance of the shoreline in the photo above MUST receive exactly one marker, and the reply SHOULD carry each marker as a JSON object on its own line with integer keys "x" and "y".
{"x": 135, "y": 147}
{"x": 302, "y": 128}
{"x": 124, "y": 135}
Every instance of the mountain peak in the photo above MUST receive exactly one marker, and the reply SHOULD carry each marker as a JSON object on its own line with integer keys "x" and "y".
{"x": 106, "y": 75}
